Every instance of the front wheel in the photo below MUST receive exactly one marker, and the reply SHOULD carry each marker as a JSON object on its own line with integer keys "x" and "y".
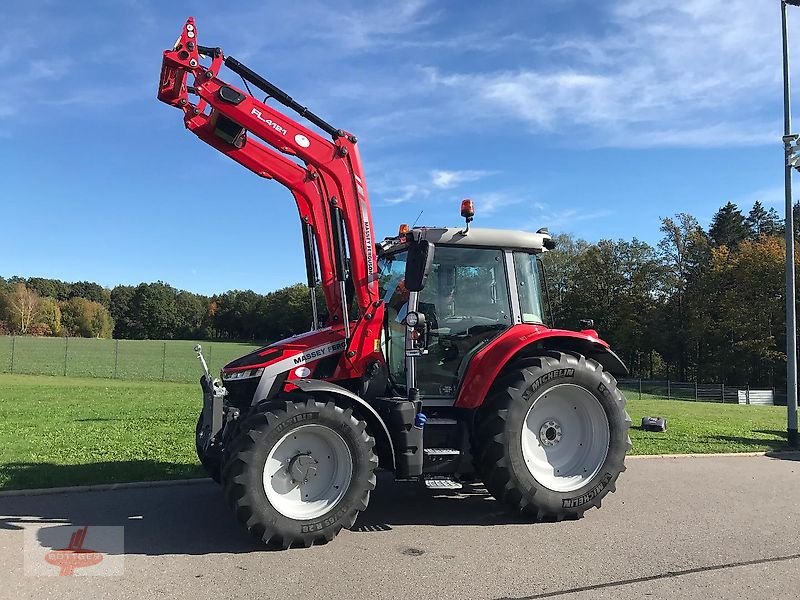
{"x": 552, "y": 440}
{"x": 300, "y": 472}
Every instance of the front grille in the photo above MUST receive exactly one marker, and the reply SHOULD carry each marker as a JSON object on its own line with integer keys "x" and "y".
{"x": 240, "y": 393}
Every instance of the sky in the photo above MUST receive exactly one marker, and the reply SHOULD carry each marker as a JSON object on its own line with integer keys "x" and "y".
{"x": 590, "y": 118}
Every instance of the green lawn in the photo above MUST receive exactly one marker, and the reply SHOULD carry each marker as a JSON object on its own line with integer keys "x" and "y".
{"x": 135, "y": 360}
{"x": 57, "y": 431}
{"x": 706, "y": 427}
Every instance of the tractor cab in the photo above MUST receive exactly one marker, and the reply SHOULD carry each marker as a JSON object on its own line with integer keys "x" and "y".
{"x": 481, "y": 282}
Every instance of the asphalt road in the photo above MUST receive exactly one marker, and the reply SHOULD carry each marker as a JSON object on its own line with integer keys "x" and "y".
{"x": 724, "y": 527}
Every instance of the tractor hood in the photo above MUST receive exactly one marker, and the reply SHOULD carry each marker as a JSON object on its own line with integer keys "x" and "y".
{"x": 300, "y": 353}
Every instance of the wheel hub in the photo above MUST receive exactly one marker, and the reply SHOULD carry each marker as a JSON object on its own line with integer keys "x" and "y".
{"x": 301, "y": 468}
{"x": 565, "y": 438}
{"x": 550, "y": 433}
{"x": 307, "y": 472}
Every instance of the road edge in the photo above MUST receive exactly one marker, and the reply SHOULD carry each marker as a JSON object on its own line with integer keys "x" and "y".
{"x": 106, "y": 487}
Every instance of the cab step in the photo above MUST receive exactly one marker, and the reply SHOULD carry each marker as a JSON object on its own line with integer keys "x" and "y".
{"x": 440, "y": 483}
{"x": 441, "y": 421}
{"x": 441, "y": 452}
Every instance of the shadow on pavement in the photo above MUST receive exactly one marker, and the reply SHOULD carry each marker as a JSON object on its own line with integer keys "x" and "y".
{"x": 785, "y": 455}
{"x": 194, "y": 519}
{"x": 395, "y": 503}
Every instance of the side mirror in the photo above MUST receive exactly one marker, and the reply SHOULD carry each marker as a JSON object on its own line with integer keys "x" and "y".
{"x": 418, "y": 265}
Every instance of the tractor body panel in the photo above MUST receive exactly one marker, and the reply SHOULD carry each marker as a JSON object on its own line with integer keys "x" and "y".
{"x": 261, "y": 374}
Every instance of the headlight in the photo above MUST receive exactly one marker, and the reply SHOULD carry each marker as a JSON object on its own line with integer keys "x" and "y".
{"x": 246, "y": 374}
{"x": 412, "y": 319}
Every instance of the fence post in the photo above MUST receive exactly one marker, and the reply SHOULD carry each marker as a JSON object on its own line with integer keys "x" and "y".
{"x": 116, "y": 358}
{"x": 640, "y": 388}
{"x": 669, "y": 391}
{"x": 723, "y": 392}
{"x": 747, "y": 395}
{"x": 13, "y": 347}
{"x": 66, "y": 352}
{"x": 164, "y": 361}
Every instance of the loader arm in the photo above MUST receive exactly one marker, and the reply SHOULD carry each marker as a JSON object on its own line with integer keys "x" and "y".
{"x": 330, "y": 191}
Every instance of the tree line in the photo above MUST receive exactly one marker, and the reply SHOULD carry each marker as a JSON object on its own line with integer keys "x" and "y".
{"x": 704, "y": 305}
{"x": 50, "y": 307}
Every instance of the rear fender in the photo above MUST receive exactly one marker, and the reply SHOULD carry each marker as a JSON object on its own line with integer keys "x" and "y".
{"x": 529, "y": 340}
{"x": 361, "y": 409}
{"x": 607, "y": 358}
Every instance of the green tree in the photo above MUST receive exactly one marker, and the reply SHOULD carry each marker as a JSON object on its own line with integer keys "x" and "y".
{"x": 763, "y": 222}
{"x": 796, "y": 219}
{"x": 235, "y": 314}
{"x": 84, "y": 318}
{"x": 616, "y": 284}
{"x": 120, "y": 307}
{"x": 746, "y": 318}
{"x": 53, "y": 288}
{"x": 152, "y": 313}
{"x": 191, "y": 311}
{"x": 684, "y": 252}
{"x": 91, "y": 291}
{"x": 561, "y": 267}
{"x": 50, "y": 315}
{"x": 283, "y": 313}
{"x": 728, "y": 227}
{"x": 22, "y": 307}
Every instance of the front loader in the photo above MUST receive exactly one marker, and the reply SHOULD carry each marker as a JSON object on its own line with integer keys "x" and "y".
{"x": 434, "y": 362}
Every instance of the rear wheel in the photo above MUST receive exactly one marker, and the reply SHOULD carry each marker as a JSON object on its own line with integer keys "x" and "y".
{"x": 300, "y": 472}
{"x": 552, "y": 440}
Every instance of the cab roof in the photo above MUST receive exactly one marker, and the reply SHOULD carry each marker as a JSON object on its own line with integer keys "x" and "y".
{"x": 478, "y": 236}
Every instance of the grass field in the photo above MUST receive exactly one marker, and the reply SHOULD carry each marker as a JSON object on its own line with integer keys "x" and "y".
{"x": 137, "y": 360}
{"x": 57, "y": 431}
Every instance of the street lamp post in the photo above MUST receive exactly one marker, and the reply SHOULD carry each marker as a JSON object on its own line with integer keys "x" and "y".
{"x": 789, "y": 140}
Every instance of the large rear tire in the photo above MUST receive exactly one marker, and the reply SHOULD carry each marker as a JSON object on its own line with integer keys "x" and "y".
{"x": 552, "y": 439}
{"x": 300, "y": 472}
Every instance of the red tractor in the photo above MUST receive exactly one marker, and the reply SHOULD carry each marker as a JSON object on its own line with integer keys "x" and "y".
{"x": 434, "y": 361}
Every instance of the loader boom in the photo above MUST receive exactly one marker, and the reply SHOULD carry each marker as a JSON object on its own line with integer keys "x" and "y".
{"x": 330, "y": 190}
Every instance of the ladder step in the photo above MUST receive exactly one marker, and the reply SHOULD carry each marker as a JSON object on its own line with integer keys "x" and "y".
{"x": 440, "y": 421}
{"x": 441, "y": 452}
{"x": 441, "y": 483}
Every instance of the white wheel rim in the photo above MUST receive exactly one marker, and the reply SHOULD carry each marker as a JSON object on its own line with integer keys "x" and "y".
{"x": 308, "y": 472}
{"x": 565, "y": 437}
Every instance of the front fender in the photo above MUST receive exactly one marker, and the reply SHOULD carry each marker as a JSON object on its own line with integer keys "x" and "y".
{"x": 363, "y": 410}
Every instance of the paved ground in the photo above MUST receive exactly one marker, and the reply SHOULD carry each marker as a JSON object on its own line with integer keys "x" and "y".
{"x": 698, "y": 527}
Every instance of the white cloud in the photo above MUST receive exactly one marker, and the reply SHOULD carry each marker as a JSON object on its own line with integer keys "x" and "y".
{"x": 405, "y": 193}
{"x": 490, "y": 203}
{"x": 689, "y": 73}
{"x": 443, "y": 179}
{"x": 562, "y": 220}
{"x": 769, "y": 196}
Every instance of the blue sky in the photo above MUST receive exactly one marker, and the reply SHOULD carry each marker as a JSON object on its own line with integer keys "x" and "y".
{"x": 594, "y": 118}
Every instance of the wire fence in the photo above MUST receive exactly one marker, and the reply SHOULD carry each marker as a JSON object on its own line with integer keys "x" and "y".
{"x": 702, "y": 392}
{"x": 148, "y": 360}
{"x": 175, "y": 360}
